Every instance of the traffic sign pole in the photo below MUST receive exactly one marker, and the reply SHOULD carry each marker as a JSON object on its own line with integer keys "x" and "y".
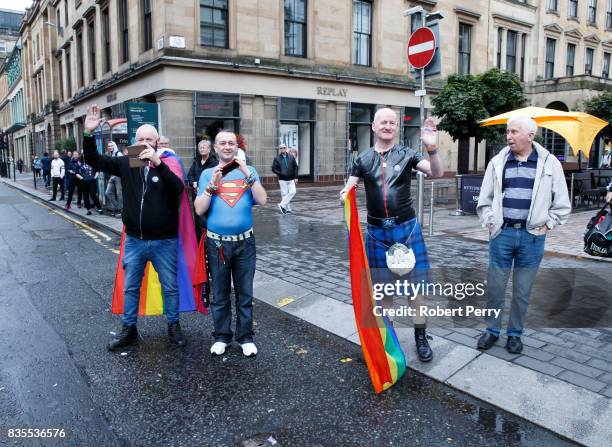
{"x": 421, "y": 50}
{"x": 420, "y": 175}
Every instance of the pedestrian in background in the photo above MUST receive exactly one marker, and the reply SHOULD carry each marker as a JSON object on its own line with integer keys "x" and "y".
{"x": 294, "y": 153}
{"x": 202, "y": 161}
{"x": 114, "y": 199}
{"x": 66, "y": 156}
{"x": 523, "y": 197}
{"x": 286, "y": 169}
{"x": 37, "y": 166}
{"x": 73, "y": 169}
{"x": 606, "y": 158}
{"x": 46, "y": 169}
{"x": 57, "y": 175}
{"x": 20, "y": 165}
{"x": 164, "y": 142}
{"x": 88, "y": 176}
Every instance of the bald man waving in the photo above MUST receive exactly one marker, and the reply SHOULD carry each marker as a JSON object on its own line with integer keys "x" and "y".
{"x": 151, "y": 196}
{"x": 393, "y": 231}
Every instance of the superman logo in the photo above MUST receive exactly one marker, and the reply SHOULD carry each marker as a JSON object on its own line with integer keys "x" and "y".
{"x": 232, "y": 190}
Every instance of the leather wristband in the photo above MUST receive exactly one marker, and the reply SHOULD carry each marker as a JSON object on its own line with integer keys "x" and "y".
{"x": 434, "y": 152}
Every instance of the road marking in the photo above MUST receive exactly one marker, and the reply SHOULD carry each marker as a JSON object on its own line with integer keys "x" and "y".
{"x": 94, "y": 234}
{"x": 68, "y": 218}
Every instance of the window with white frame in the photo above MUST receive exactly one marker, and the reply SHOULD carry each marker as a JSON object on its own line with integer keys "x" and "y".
{"x": 500, "y": 38}
{"x": 588, "y": 61}
{"x": 465, "y": 48}
{"x": 569, "y": 61}
{"x": 523, "y": 51}
{"x": 605, "y": 71}
{"x": 549, "y": 70}
{"x": 362, "y": 33}
{"x": 592, "y": 12}
{"x": 214, "y": 23}
{"x": 295, "y": 28}
{"x": 511, "y": 40}
{"x": 573, "y": 8}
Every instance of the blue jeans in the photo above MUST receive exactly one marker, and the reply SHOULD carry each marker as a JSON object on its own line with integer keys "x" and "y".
{"x": 163, "y": 254}
{"x": 512, "y": 246}
{"x": 227, "y": 259}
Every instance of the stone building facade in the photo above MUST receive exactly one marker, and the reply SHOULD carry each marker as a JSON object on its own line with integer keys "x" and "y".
{"x": 309, "y": 72}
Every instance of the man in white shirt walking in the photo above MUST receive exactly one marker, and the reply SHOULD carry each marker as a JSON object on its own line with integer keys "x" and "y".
{"x": 58, "y": 171}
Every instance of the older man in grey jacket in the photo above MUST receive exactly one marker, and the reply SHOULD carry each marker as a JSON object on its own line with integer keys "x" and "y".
{"x": 523, "y": 196}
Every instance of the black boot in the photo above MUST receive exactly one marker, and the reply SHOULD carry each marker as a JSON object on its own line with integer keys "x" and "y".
{"x": 176, "y": 334}
{"x": 127, "y": 337}
{"x": 423, "y": 350}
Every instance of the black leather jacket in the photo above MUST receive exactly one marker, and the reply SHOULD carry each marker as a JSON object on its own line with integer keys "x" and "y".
{"x": 388, "y": 192}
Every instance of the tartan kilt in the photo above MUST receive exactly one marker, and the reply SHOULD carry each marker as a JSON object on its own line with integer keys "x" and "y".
{"x": 379, "y": 239}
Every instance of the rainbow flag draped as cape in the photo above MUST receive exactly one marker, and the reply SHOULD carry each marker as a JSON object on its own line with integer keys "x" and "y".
{"x": 381, "y": 349}
{"x": 191, "y": 267}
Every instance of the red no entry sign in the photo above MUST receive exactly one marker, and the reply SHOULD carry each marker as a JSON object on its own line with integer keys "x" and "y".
{"x": 421, "y": 47}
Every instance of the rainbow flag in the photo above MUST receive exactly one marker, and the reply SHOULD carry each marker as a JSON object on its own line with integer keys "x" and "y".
{"x": 191, "y": 268}
{"x": 382, "y": 352}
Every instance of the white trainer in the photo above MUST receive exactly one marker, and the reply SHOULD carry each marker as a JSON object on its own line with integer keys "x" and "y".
{"x": 249, "y": 349}
{"x": 218, "y": 348}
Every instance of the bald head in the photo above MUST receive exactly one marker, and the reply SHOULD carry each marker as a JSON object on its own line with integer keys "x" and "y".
{"x": 226, "y": 146}
{"x": 386, "y": 113}
{"x": 385, "y": 126}
{"x": 147, "y": 134}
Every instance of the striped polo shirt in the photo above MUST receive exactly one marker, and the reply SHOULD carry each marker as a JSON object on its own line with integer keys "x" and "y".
{"x": 519, "y": 177}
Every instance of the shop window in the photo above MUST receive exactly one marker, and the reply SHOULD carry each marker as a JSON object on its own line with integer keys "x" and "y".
{"x": 215, "y": 112}
{"x": 360, "y": 126}
{"x": 297, "y": 129}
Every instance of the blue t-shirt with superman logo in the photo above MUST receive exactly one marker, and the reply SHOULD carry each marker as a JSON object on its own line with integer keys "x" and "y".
{"x": 230, "y": 208}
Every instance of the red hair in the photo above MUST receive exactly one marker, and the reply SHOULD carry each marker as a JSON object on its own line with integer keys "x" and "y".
{"x": 241, "y": 141}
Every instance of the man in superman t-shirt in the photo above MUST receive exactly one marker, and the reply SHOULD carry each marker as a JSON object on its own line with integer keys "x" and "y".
{"x": 230, "y": 243}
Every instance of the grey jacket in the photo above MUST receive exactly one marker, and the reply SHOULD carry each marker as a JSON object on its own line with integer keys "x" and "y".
{"x": 550, "y": 203}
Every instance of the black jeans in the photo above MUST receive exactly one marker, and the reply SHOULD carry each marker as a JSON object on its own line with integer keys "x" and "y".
{"x": 74, "y": 182}
{"x": 90, "y": 191}
{"x": 47, "y": 178}
{"x": 58, "y": 181}
{"x": 227, "y": 259}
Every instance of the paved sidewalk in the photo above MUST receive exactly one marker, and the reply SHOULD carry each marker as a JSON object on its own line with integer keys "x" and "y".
{"x": 563, "y": 380}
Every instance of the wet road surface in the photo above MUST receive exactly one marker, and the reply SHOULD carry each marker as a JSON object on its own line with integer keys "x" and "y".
{"x": 55, "y": 286}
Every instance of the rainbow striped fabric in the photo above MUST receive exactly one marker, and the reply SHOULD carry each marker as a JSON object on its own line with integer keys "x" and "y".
{"x": 382, "y": 352}
{"x": 191, "y": 272}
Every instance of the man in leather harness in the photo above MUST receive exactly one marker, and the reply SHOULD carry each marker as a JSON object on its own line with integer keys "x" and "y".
{"x": 386, "y": 170}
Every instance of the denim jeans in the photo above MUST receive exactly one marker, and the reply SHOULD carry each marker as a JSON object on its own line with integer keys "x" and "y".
{"x": 519, "y": 247}
{"x": 114, "y": 199}
{"x": 163, "y": 254}
{"x": 227, "y": 259}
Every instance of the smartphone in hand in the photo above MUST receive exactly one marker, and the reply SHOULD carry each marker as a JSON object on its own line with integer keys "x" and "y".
{"x": 133, "y": 154}
{"x": 229, "y": 167}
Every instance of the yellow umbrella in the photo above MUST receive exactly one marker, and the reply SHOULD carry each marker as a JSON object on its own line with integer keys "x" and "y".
{"x": 579, "y": 129}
